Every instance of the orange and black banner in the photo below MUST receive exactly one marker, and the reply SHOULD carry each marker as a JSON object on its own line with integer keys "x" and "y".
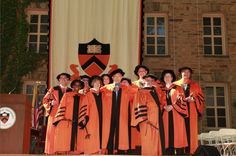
{"x": 94, "y": 37}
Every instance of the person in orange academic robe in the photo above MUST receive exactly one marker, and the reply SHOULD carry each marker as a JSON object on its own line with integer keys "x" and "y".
{"x": 117, "y": 102}
{"x": 147, "y": 113}
{"x": 51, "y": 102}
{"x": 140, "y": 71}
{"x": 106, "y": 79}
{"x": 93, "y": 110}
{"x": 85, "y": 79}
{"x": 195, "y": 104}
{"x": 68, "y": 137}
{"x": 135, "y": 144}
{"x": 173, "y": 116}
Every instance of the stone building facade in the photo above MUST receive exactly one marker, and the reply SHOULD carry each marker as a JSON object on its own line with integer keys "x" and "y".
{"x": 200, "y": 34}
{"x": 192, "y": 29}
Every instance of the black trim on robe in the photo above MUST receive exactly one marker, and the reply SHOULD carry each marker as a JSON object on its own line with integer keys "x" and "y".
{"x": 161, "y": 126}
{"x": 60, "y": 93}
{"x": 129, "y": 125}
{"x": 187, "y": 122}
{"x": 115, "y": 122}
{"x": 74, "y": 129}
{"x": 98, "y": 99}
{"x": 170, "y": 121}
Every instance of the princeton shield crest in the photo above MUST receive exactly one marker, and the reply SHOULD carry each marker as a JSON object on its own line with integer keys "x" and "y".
{"x": 93, "y": 57}
{"x": 4, "y": 117}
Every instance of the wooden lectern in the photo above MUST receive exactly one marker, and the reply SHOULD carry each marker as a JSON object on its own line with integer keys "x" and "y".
{"x": 16, "y": 139}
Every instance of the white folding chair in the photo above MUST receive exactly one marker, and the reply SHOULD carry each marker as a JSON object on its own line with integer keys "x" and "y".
{"x": 205, "y": 138}
{"x": 228, "y": 141}
{"x": 216, "y": 137}
{"x": 216, "y": 142}
{"x": 227, "y": 134}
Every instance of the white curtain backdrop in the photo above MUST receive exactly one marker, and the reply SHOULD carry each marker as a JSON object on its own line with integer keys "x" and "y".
{"x": 114, "y": 22}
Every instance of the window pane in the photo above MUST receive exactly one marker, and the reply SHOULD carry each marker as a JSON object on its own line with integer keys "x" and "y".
{"x": 33, "y": 38}
{"x": 207, "y": 30}
{"x": 218, "y": 49}
{"x": 217, "y": 21}
{"x": 210, "y": 112}
{"x": 160, "y": 21}
{"x": 217, "y": 30}
{"x": 160, "y": 49}
{"x": 220, "y": 91}
{"x": 34, "y": 19}
{"x": 33, "y": 28}
{"x": 43, "y": 48}
{"x": 150, "y": 49}
{"x": 209, "y": 91}
{"x": 220, "y": 101}
{"x": 29, "y": 89}
{"x": 44, "y": 19}
{"x": 221, "y": 122}
{"x": 160, "y": 40}
{"x": 210, "y": 101}
{"x": 32, "y": 46}
{"x": 160, "y": 30}
{"x": 206, "y": 21}
{"x": 150, "y": 20}
{"x": 217, "y": 41}
{"x": 43, "y": 38}
{"x": 44, "y": 28}
{"x": 150, "y": 40}
{"x": 40, "y": 98}
{"x": 211, "y": 122}
{"x": 207, "y": 40}
{"x": 30, "y": 97}
{"x": 207, "y": 50}
{"x": 220, "y": 112}
{"x": 150, "y": 31}
{"x": 42, "y": 89}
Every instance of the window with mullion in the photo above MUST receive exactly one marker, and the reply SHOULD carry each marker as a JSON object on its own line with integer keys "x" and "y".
{"x": 213, "y": 35}
{"x": 38, "y": 32}
{"x": 155, "y": 35}
{"x": 216, "y": 109}
{"x": 29, "y": 90}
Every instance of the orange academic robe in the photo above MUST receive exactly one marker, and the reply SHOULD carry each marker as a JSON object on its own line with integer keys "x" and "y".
{"x": 117, "y": 121}
{"x": 135, "y": 135}
{"x": 147, "y": 114}
{"x": 174, "y": 123}
{"x": 137, "y": 84}
{"x": 195, "y": 110}
{"x": 95, "y": 109}
{"x": 56, "y": 95}
{"x": 68, "y": 136}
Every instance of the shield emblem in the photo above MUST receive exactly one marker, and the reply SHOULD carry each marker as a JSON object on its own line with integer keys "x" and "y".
{"x": 93, "y": 57}
{"x": 4, "y": 117}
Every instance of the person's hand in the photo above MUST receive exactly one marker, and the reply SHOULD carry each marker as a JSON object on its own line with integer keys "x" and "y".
{"x": 190, "y": 99}
{"x": 168, "y": 108}
{"x": 53, "y": 102}
{"x": 51, "y": 90}
{"x": 180, "y": 97}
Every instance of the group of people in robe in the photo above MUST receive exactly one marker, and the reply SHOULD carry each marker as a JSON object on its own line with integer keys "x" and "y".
{"x": 110, "y": 114}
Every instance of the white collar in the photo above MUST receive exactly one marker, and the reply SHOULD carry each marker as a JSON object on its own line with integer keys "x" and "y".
{"x": 168, "y": 85}
{"x": 63, "y": 86}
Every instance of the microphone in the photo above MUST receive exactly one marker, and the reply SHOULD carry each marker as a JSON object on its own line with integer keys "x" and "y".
{"x": 12, "y": 90}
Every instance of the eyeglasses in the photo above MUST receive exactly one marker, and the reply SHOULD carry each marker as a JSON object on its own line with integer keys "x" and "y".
{"x": 85, "y": 79}
{"x": 76, "y": 85}
{"x": 141, "y": 71}
{"x": 63, "y": 78}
